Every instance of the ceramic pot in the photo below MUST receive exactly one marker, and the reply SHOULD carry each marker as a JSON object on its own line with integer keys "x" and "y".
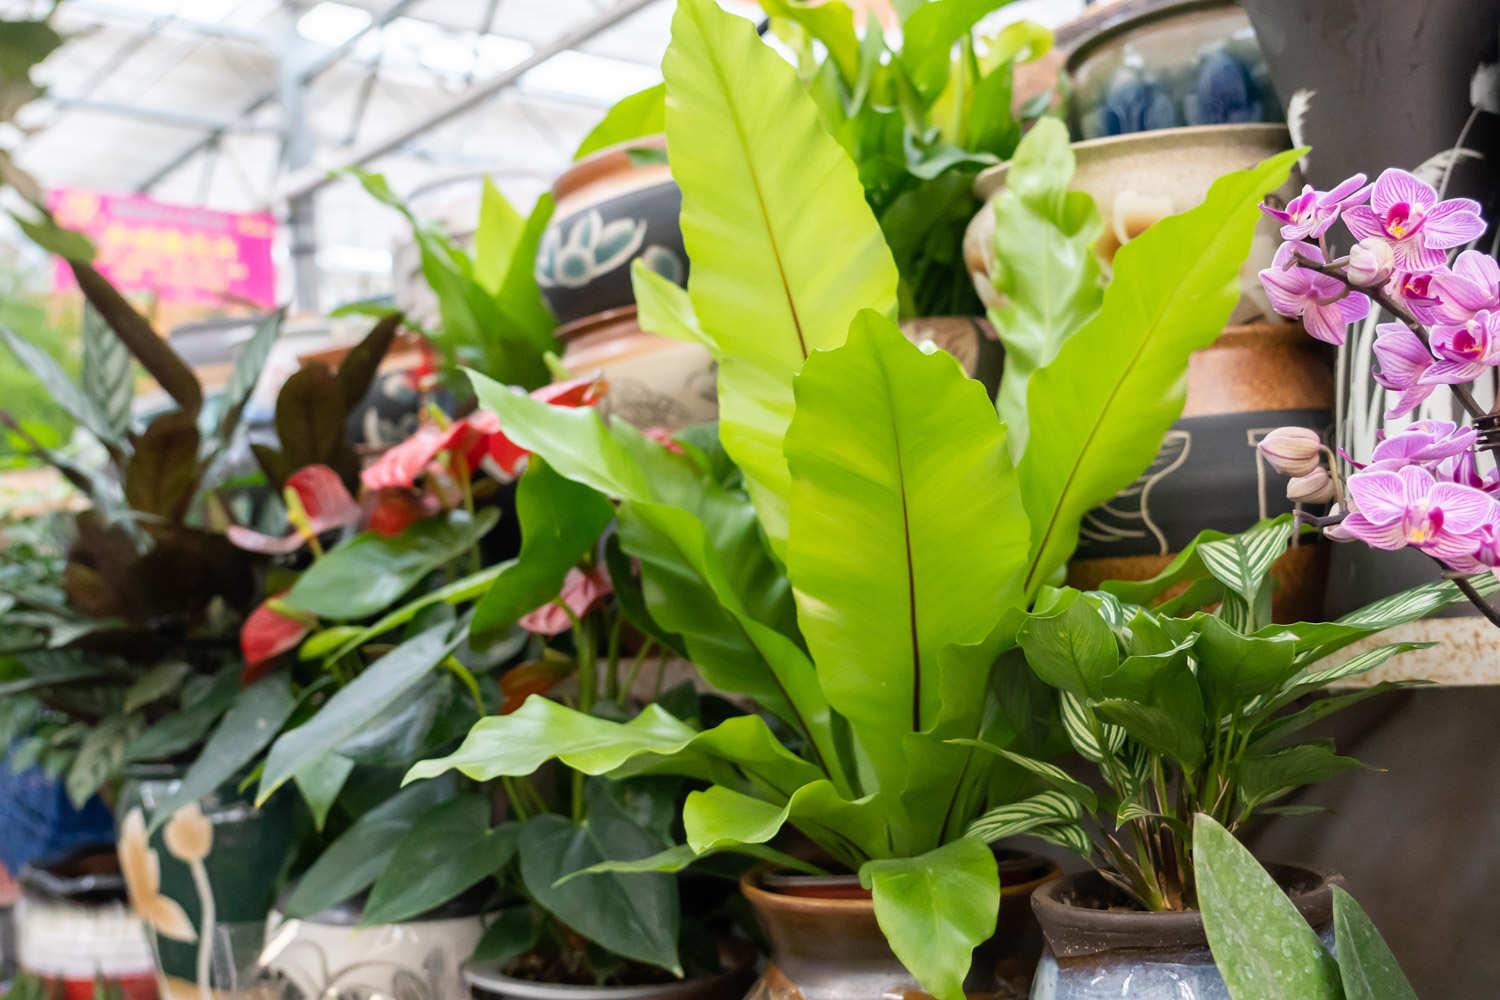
{"x": 330, "y": 957}
{"x": 72, "y": 924}
{"x": 1190, "y": 63}
{"x": 612, "y": 207}
{"x": 654, "y": 381}
{"x": 1094, "y": 953}
{"x": 1209, "y": 473}
{"x": 1138, "y": 179}
{"x": 487, "y": 982}
{"x": 970, "y": 339}
{"x": 826, "y": 944}
{"x": 204, "y": 880}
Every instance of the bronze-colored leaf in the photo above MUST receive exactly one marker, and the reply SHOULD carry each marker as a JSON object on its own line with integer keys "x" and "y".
{"x": 272, "y": 463}
{"x": 159, "y": 360}
{"x": 164, "y": 470}
{"x": 359, "y": 366}
{"x": 310, "y": 417}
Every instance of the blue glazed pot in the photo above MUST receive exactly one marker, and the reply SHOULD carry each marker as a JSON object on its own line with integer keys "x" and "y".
{"x": 1192, "y": 63}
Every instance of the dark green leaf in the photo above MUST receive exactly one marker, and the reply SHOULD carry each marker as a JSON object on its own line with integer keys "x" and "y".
{"x": 1368, "y": 968}
{"x": 180, "y": 732}
{"x": 515, "y": 931}
{"x": 447, "y": 851}
{"x": 320, "y": 783}
{"x": 1234, "y": 669}
{"x": 1265, "y": 776}
{"x": 1072, "y": 649}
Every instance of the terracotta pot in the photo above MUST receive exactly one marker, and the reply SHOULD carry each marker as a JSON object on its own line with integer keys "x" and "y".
{"x": 612, "y": 207}
{"x": 826, "y": 944}
{"x": 1194, "y": 62}
{"x": 970, "y": 339}
{"x": 1093, "y": 952}
{"x": 1138, "y": 179}
{"x": 654, "y": 381}
{"x": 486, "y": 982}
{"x": 1209, "y": 474}
{"x": 72, "y": 924}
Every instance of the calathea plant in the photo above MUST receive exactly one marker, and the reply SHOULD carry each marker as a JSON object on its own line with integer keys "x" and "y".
{"x": 860, "y": 575}
{"x": 1189, "y": 712}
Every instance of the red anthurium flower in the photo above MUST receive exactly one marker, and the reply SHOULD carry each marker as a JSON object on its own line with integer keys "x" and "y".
{"x": 390, "y": 512}
{"x": 536, "y": 677}
{"x": 577, "y": 392}
{"x": 325, "y": 504}
{"x": 581, "y": 592}
{"x": 663, "y": 437}
{"x": 271, "y": 629}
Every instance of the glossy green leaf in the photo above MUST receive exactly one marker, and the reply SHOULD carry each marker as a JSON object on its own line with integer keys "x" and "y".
{"x": 762, "y": 187}
{"x": 341, "y": 640}
{"x": 663, "y": 307}
{"x": 830, "y": 23}
{"x": 1368, "y": 968}
{"x": 719, "y": 818}
{"x": 370, "y": 571}
{"x": 320, "y": 783}
{"x": 680, "y": 857}
{"x": 631, "y": 914}
{"x": 884, "y": 439}
{"x": 519, "y": 297}
{"x": 496, "y": 238}
{"x": 515, "y": 931}
{"x": 248, "y": 727}
{"x": 1266, "y": 776}
{"x": 351, "y": 708}
{"x": 1099, "y": 410}
{"x": 447, "y": 850}
{"x": 352, "y": 862}
{"x": 1233, "y": 669}
{"x": 1261, "y": 944}
{"x": 1045, "y": 265}
{"x": 928, "y": 37}
{"x": 560, "y": 522}
{"x": 934, "y": 909}
{"x": 632, "y": 116}
{"x": 1071, "y": 648}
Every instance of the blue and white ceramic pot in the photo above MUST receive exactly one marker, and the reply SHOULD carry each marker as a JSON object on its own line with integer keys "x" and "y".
{"x": 613, "y": 206}
{"x": 1190, "y": 63}
{"x": 1100, "y": 949}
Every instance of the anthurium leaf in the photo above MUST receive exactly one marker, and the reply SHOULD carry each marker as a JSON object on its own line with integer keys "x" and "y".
{"x": 320, "y": 783}
{"x": 1071, "y": 647}
{"x": 1261, "y": 944}
{"x": 1044, "y": 264}
{"x": 253, "y": 720}
{"x": 632, "y": 116}
{"x": 248, "y": 365}
{"x": 352, "y": 862}
{"x": 396, "y": 736}
{"x": 370, "y": 571}
{"x": 446, "y": 851}
{"x": 1368, "y": 968}
{"x": 514, "y": 932}
{"x": 1097, "y": 413}
{"x": 663, "y": 307}
{"x": 341, "y": 640}
{"x": 560, "y": 522}
{"x": 350, "y": 709}
{"x": 884, "y": 439}
{"x": 182, "y": 730}
{"x": 636, "y": 915}
{"x": 1234, "y": 668}
{"x": 60, "y": 387}
{"x": 310, "y": 412}
{"x": 762, "y": 186}
{"x": 934, "y": 909}
{"x": 107, "y": 374}
{"x": 164, "y": 470}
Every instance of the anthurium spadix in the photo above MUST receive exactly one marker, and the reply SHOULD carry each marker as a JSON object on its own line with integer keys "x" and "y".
{"x": 864, "y": 582}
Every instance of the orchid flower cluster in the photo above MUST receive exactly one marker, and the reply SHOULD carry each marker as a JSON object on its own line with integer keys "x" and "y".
{"x": 1422, "y": 487}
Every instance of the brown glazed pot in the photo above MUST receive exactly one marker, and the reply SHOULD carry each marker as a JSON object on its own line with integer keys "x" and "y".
{"x": 1093, "y": 951}
{"x": 654, "y": 381}
{"x": 826, "y": 944}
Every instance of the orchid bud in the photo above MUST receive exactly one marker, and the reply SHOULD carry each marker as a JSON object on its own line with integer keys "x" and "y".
{"x": 1315, "y": 487}
{"x": 1292, "y": 451}
{"x": 1371, "y": 262}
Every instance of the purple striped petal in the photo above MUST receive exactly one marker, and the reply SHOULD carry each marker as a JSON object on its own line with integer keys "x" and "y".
{"x": 1452, "y": 372}
{"x": 1452, "y": 223}
{"x": 1379, "y": 496}
{"x": 1464, "y": 508}
{"x": 1394, "y": 186}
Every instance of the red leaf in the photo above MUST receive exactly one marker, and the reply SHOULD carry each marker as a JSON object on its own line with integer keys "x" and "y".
{"x": 581, "y": 592}
{"x": 266, "y": 634}
{"x": 536, "y": 677}
{"x": 393, "y": 511}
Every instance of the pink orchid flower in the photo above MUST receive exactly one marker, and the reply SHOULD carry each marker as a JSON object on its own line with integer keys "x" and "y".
{"x": 1404, "y": 359}
{"x": 1394, "y": 510}
{"x": 325, "y": 504}
{"x": 1324, "y": 304}
{"x": 1419, "y": 293}
{"x": 1421, "y": 229}
{"x": 1311, "y": 213}
{"x": 1426, "y": 443}
{"x": 1472, "y": 286}
{"x": 1465, "y": 351}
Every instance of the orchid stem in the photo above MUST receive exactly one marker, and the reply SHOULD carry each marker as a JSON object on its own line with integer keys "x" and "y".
{"x": 1477, "y": 599}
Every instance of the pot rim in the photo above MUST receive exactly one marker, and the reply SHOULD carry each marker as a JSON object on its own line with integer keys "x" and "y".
{"x": 1112, "y": 30}
{"x": 602, "y": 162}
{"x": 488, "y": 976}
{"x": 987, "y": 182}
{"x": 593, "y": 322}
{"x": 1073, "y": 931}
{"x": 38, "y": 880}
{"x": 755, "y": 892}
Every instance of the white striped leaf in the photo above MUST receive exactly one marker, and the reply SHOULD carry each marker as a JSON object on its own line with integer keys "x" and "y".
{"x": 1071, "y": 836}
{"x": 1041, "y": 810}
{"x": 1050, "y": 773}
{"x": 1241, "y": 562}
{"x": 1079, "y": 722}
{"x": 108, "y": 372}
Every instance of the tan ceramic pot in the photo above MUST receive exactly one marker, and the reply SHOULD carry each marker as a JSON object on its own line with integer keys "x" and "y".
{"x": 1138, "y": 179}
{"x": 654, "y": 381}
{"x": 970, "y": 339}
{"x": 826, "y": 944}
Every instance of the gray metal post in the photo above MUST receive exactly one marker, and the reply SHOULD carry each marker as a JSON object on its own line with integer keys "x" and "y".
{"x": 298, "y": 145}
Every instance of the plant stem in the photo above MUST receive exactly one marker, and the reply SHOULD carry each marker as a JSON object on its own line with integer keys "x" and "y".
{"x": 612, "y": 660}
{"x": 466, "y": 485}
{"x": 1476, "y": 599}
{"x": 585, "y": 649}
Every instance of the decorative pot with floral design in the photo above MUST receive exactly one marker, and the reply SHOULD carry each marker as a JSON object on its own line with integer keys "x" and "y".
{"x": 202, "y": 879}
{"x": 654, "y": 381}
{"x": 613, "y": 206}
{"x": 827, "y": 945}
{"x": 1100, "y": 948}
{"x": 1189, "y": 63}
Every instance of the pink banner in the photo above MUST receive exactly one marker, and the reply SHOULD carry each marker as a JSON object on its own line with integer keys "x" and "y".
{"x": 183, "y": 255}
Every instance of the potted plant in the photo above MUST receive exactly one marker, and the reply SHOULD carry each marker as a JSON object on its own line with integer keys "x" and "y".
{"x": 818, "y": 581}
{"x": 1184, "y": 712}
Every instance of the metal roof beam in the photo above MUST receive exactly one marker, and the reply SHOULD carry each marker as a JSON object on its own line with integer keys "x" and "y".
{"x": 156, "y": 116}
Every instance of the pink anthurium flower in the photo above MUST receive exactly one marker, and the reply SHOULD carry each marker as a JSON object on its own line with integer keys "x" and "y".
{"x": 317, "y": 502}
{"x": 1324, "y": 304}
{"x": 581, "y": 592}
{"x": 1465, "y": 351}
{"x": 1404, "y": 359}
{"x": 270, "y": 630}
{"x": 577, "y": 392}
{"x": 1473, "y": 286}
{"x": 1394, "y": 510}
{"x": 1421, "y": 229}
{"x": 1311, "y": 213}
